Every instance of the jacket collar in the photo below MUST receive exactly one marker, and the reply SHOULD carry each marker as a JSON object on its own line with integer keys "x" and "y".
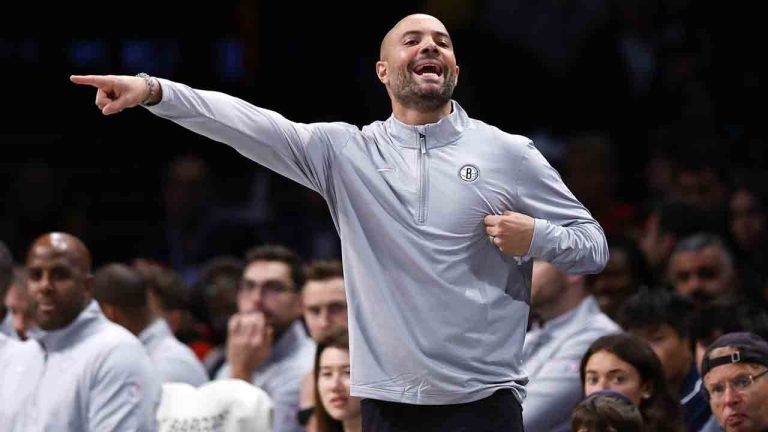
{"x": 445, "y": 131}
{"x": 155, "y": 333}
{"x": 84, "y": 325}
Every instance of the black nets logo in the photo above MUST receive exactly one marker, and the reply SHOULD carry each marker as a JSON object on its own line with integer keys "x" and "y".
{"x": 469, "y": 173}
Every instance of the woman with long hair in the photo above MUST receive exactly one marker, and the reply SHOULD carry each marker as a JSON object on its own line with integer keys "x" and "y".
{"x": 335, "y": 409}
{"x": 626, "y": 364}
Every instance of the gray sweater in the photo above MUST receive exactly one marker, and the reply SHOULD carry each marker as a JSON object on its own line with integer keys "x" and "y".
{"x": 437, "y": 314}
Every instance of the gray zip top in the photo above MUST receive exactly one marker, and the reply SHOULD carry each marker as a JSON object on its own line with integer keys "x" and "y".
{"x": 437, "y": 313}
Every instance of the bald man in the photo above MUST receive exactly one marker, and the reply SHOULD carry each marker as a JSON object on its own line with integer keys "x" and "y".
{"x": 439, "y": 215}
{"x": 85, "y": 373}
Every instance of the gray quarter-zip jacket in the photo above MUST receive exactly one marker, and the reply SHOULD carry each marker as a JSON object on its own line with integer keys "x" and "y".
{"x": 437, "y": 314}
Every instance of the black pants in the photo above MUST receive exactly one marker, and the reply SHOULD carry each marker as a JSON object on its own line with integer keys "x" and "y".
{"x": 500, "y": 412}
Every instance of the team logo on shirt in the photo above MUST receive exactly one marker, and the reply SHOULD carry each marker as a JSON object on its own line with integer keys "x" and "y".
{"x": 469, "y": 173}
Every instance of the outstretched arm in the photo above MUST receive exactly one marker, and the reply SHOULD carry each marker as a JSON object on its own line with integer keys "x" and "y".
{"x": 301, "y": 152}
{"x": 116, "y": 93}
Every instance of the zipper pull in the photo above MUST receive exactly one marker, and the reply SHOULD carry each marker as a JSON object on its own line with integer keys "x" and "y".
{"x": 423, "y": 143}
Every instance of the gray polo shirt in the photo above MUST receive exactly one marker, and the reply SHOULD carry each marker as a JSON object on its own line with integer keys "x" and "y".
{"x": 92, "y": 375}
{"x": 173, "y": 360}
{"x": 437, "y": 314}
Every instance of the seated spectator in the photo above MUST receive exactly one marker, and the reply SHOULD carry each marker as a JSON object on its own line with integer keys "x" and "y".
{"x": 324, "y": 305}
{"x": 748, "y": 222}
{"x": 20, "y": 305}
{"x": 606, "y": 411}
{"x": 215, "y": 299}
{"x": 661, "y": 318}
{"x": 6, "y": 277}
{"x": 169, "y": 298}
{"x": 717, "y": 319}
{"x": 701, "y": 268}
{"x": 335, "y": 409}
{"x": 122, "y": 295}
{"x": 567, "y": 321}
{"x": 626, "y": 364}
{"x": 85, "y": 373}
{"x": 266, "y": 342}
{"x": 734, "y": 370}
{"x": 625, "y": 273}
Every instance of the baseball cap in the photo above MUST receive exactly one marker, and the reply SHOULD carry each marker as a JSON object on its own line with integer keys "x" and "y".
{"x": 750, "y": 348}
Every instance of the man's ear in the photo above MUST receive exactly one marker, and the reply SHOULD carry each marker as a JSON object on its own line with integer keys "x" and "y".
{"x": 382, "y": 71}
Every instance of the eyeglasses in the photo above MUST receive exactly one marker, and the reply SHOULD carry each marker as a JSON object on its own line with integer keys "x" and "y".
{"x": 267, "y": 287}
{"x": 740, "y": 383}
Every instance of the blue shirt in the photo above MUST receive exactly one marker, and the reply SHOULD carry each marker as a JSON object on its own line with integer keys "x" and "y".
{"x": 174, "y": 361}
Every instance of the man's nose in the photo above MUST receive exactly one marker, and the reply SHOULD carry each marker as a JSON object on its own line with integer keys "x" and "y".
{"x": 731, "y": 396}
{"x": 429, "y": 46}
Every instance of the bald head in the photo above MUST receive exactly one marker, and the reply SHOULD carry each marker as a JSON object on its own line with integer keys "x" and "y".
{"x": 59, "y": 279}
{"x": 65, "y": 245}
{"x": 401, "y": 27}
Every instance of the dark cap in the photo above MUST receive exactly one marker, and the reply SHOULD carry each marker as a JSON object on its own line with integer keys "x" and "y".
{"x": 750, "y": 348}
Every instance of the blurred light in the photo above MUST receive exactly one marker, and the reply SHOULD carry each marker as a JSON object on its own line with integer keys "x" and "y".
{"x": 92, "y": 54}
{"x": 229, "y": 60}
{"x": 154, "y": 56}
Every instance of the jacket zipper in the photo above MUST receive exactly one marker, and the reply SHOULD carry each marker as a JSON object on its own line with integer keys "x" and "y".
{"x": 422, "y": 216}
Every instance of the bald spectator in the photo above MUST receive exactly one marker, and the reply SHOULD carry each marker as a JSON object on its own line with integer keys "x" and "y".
{"x": 702, "y": 269}
{"x": 85, "y": 373}
{"x": 122, "y": 295}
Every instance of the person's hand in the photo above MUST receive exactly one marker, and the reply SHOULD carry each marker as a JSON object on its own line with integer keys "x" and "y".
{"x": 511, "y": 232}
{"x": 115, "y": 93}
{"x": 249, "y": 343}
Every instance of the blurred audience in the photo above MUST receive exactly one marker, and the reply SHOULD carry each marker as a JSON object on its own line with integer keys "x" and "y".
{"x": 662, "y": 319}
{"x": 566, "y": 322}
{"x": 267, "y": 344}
{"x": 606, "y": 411}
{"x": 122, "y": 294}
{"x": 626, "y": 364}
{"x": 734, "y": 370}
{"x": 324, "y": 305}
{"x": 19, "y": 304}
{"x": 335, "y": 409}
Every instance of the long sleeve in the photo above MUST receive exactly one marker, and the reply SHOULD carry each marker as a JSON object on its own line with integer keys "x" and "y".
{"x": 565, "y": 234}
{"x": 124, "y": 393}
{"x": 301, "y": 152}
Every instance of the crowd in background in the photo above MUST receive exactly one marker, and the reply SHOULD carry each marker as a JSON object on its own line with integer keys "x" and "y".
{"x": 643, "y": 107}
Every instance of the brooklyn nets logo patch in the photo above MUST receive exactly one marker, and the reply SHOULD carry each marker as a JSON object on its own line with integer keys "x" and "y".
{"x": 469, "y": 173}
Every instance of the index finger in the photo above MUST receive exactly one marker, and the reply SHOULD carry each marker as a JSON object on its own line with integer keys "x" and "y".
{"x": 97, "y": 81}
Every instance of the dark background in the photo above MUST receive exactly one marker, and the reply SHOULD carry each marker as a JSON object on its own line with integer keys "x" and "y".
{"x": 680, "y": 81}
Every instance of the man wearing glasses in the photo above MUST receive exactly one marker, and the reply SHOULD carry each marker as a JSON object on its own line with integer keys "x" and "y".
{"x": 734, "y": 370}
{"x": 266, "y": 343}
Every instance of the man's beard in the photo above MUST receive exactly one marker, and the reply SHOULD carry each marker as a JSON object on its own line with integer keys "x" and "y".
{"x": 408, "y": 92}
